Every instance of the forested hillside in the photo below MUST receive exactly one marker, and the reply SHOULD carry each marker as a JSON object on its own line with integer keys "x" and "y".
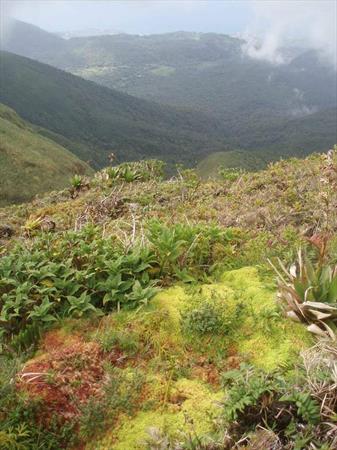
{"x": 205, "y": 71}
{"x": 295, "y": 137}
{"x": 94, "y": 121}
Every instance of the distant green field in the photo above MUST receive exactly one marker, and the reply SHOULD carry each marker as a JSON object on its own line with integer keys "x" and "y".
{"x": 163, "y": 71}
{"x": 30, "y": 163}
{"x": 209, "y": 166}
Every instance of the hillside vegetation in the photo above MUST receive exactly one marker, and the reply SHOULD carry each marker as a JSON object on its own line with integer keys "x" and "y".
{"x": 295, "y": 137}
{"x": 205, "y": 71}
{"x": 30, "y": 163}
{"x": 93, "y": 121}
{"x": 141, "y": 313}
{"x": 257, "y": 103}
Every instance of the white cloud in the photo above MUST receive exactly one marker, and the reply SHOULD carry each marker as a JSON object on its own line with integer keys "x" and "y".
{"x": 276, "y": 22}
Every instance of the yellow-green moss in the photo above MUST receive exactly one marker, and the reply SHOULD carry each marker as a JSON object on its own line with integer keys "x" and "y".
{"x": 162, "y": 320}
{"x": 246, "y": 282}
{"x": 197, "y": 407}
{"x": 201, "y": 403}
{"x": 171, "y": 300}
{"x": 279, "y": 348}
{"x": 171, "y": 402}
{"x": 262, "y": 337}
{"x": 268, "y": 339}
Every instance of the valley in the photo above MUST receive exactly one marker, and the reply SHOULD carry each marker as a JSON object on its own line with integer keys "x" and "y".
{"x": 236, "y": 101}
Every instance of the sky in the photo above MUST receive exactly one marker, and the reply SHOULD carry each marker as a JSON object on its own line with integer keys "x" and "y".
{"x": 275, "y": 22}
{"x": 134, "y": 16}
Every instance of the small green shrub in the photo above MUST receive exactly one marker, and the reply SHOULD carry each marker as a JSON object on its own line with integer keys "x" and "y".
{"x": 93, "y": 418}
{"x": 121, "y": 393}
{"x": 188, "y": 252}
{"x": 212, "y": 318}
{"x": 126, "y": 341}
{"x": 204, "y": 320}
{"x": 230, "y": 174}
{"x": 76, "y": 182}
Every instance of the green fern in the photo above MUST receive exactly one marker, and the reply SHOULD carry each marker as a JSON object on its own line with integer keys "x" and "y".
{"x": 27, "y": 338}
{"x": 307, "y": 407}
{"x": 15, "y": 438}
{"x": 246, "y": 388}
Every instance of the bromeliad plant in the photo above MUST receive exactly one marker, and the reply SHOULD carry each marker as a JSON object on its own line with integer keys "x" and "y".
{"x": 78, "y": 183}
{"x": 308, "y": 290}
{"x": 135, "y": 171}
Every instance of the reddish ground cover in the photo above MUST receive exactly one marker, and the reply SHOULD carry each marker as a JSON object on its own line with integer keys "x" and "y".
{"x": 66, "y": 375}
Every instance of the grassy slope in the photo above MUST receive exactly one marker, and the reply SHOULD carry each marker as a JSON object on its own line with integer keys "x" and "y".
{"x": 31, "y": 163}
{"x": 164, "y": 378}
{"x": 274, "y": 192}
{"x": 97, "y": 121}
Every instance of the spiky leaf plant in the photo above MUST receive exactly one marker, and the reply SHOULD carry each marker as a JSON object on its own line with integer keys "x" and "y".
{"x": 76, "y": 182}
{"x": 308, "y": 290}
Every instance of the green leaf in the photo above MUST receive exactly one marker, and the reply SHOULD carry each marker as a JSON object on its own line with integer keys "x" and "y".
{"x": 332, "y": 293}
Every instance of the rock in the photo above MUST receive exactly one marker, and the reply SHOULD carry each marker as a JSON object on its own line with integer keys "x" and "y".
{"x": 47, "y": 224}
{"x": 6, "y": 231}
